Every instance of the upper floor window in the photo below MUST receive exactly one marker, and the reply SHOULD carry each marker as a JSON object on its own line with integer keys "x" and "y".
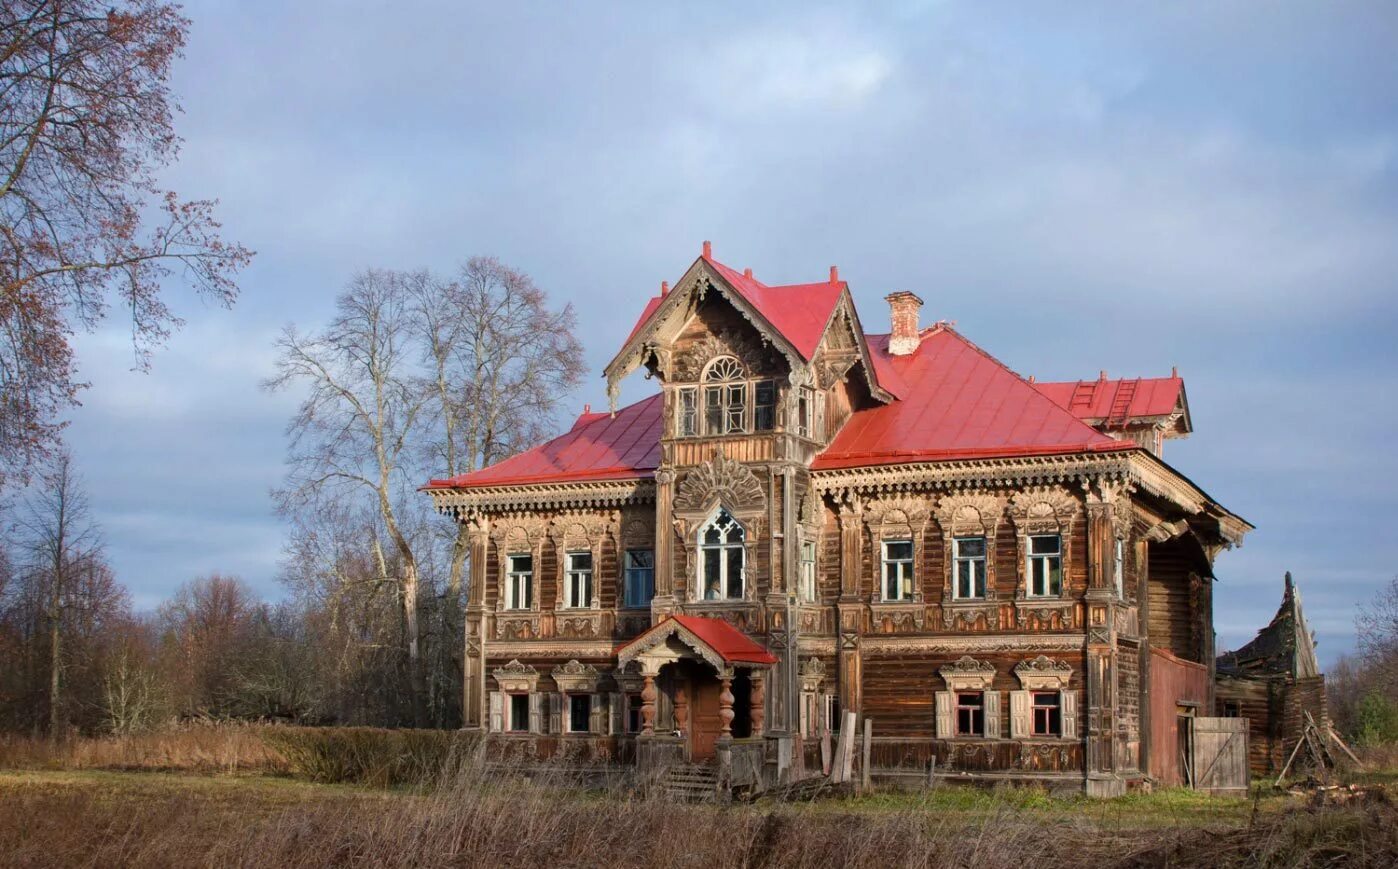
{"x": 519, "y": 583}
{"x": 688, "y": 422}
{"x": 721, "y": 558}
{"x": 725, "y": 397}
{"x": 969, "y": 573}
{"x": 805, "y": 412}
{"x": 808, "y": 571}
{"x": 578, "y": 589}
{"x": 640, "y": 577}
{"x": 764, "y": 405}
{"x": 897, "y": 570}
{"x": 1045, "y": 565}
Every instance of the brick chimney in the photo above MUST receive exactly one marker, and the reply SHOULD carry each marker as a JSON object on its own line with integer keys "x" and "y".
{"x": 902, "y": 311}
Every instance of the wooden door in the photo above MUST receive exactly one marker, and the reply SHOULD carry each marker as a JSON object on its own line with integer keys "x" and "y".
{"x": 705, "y": 725}
{"x": 1220, "y": 754}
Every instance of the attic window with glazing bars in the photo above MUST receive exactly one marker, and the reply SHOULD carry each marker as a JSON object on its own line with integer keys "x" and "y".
{"x": 727, "y": 403}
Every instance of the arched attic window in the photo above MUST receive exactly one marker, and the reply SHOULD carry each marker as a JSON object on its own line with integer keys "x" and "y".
{"x": 721, "y": 557}
{"x": 725, "y": 396}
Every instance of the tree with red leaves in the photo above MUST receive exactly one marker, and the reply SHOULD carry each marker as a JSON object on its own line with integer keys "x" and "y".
{"x": 85, "y": 126}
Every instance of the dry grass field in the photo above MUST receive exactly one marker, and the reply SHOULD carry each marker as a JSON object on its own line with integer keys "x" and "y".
{"x": 229, "y": 797}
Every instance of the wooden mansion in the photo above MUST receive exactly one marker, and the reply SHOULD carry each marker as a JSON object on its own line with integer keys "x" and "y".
{"x": 807, "y": 519}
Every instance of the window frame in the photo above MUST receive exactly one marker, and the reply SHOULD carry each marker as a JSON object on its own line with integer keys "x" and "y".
{"x": 569, "y": 717}
{"x": 1119, "y": 568}
{"x": 976, "y": 712}
{"x": 511, "y": 725}
{"x": 517, "y": 580}
{"x": 722, "y": 550}
{"x": 907, "y": 584}
{"x": 1052, "y": 562}
{"x": 634, "y": 704}
{"x": 687, "y": 412}
{"x": 1052, "y": 714}
{"x": 807, "y": 581}
{"x": 958, "y": 559}
{"x": 629, "y": 573}
{"x": 573, "y": 575}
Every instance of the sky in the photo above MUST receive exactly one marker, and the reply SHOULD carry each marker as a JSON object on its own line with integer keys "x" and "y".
{"x": 1079, "y": 186}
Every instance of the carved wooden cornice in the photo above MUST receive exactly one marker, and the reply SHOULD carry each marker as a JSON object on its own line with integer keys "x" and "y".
{"x": 980, "y": 644}
{"x": 464, "y": 503}
{"x": 812, "y": 674}
{"x": 575, "y": 676}
{"x": 1043, "y": 674}
{"x": 516, "y": 676}
{"x": 968, "y": 674}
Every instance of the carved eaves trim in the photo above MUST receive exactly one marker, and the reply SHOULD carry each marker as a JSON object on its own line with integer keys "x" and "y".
{"x": 466, "y": 503}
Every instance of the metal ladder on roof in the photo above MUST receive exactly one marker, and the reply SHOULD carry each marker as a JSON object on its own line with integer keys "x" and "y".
{"x": 1121, "y": 402}
{"x": 1083, "y": 394}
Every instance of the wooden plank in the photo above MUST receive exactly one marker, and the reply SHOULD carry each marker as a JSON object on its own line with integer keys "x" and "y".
{"x": 847, "y": 734}
{"x": 864, "y": 760}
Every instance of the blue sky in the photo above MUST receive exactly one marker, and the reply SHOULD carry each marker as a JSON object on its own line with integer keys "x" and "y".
{"x": 1080, "y": 186}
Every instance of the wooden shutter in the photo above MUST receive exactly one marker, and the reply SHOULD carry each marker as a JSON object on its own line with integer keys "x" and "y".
{"x": 1069, "y": 712}
{"x": 992, "y": 714}
{"x": 807, "y": 701}
{"x": 598, "y": 722}
{"x": 555, "y": 713}
{"x": 1020, "y": 725}
{"x": 617, "y": 707}
{"x": 536, "y": 717}
{"x": 497, "y": 706}
{"x": 945, "y": 730}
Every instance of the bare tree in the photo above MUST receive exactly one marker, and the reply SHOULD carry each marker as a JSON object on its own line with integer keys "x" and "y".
{"x": 354, "y": 430}
{"x": 85, "y": 123}
{"x": 1376, "y": 625}
{"x": 498, "y": 362}
{"x": 63, "y": 545}
{"x": 207, "y": 626}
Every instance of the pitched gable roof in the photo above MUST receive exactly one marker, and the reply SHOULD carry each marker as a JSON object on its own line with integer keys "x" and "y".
{"x": 1283, "y": 648}
{"x": 799, "y": 312}
{"x": 1118, "y": 401}
{"x": 959, "y": 403}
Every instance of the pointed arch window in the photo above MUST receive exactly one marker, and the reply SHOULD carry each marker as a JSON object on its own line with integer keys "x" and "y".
{"x": 721, "y": 558}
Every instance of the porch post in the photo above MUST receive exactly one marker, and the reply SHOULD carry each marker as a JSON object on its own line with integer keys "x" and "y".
{"x": 724, "y": 747}
{"x": 757, "y": 708}
{"x": 725, "y": 705}
{"x": 648, "y": 703}
{"x": 682, "y": 707}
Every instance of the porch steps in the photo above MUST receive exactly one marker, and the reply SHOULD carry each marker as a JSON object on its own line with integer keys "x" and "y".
{"x": 691, "y": 782}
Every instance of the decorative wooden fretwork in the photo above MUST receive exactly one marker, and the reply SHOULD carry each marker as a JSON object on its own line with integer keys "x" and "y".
{"x": 812, "y": 674}
{"x": 576, "y": 677}
{"x": 517, "y": 677}
{"x": 720, "y": 481}
{"x": 968, "y": 674}
{"x": 969, "y": 514}
{"x": 1043, "y": 674}
{"x": 753, "y": 356}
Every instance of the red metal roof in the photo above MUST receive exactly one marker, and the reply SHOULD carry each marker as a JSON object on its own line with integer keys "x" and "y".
{"x": 800, "y": 312}
{"x": 1115, "y": 399}
{"x": 726, "y": 641}
{"x": 959, "y": 403}
{"x": 598, "y": 447}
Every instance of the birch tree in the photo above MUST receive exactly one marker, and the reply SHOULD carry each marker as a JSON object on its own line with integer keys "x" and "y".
{"x": 353, "y": 431}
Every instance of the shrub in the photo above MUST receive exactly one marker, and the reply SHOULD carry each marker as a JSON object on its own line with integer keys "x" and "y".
{"x": 368, "y": 755}
{"x": 1377, "y": 720}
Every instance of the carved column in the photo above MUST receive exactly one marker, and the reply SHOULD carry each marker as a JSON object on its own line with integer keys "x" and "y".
{"x": 725, "y": 706}
{"x": 648, "y": 704}
{"x": 682, "y": 707}
{"x": 473, "y": 694}
{"x": 757, "y": 703}
{"x": 664, "y": 601}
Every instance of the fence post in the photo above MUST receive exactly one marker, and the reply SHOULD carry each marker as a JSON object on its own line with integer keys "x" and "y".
{"x": 868, "y": 744}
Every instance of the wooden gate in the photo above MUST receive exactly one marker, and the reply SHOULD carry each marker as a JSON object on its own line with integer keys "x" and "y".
{"x": 1219, "y": 755}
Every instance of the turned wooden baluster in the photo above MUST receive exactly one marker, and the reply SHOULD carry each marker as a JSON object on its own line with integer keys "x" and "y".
{"x": 648, "y": 705}
{"x": 725, "y": 706}
{"x": 682, "y": 709}
{"x": 758, "y": 707}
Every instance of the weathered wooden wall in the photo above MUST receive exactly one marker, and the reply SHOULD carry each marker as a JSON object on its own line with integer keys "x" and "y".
{"x": 1175, "y": 684}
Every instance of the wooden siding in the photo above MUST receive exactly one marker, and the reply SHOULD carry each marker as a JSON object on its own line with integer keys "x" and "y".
{"x": 1174, "y": 684}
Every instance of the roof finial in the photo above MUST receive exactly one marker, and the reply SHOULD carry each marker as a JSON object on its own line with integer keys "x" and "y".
{"x": 1103, "y": 375}
{"x": 1175, "y": 371}
{"x": 587, "y": 408}
{"x": 664, "y": 288}
{"x": 708, "y": 250}
{"x": 1031, "y": 378}
{"x": 834, "y": 274}
{"x": 747, "y": 272}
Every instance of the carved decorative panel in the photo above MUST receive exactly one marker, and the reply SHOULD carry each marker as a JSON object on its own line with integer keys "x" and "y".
{"x": 720, "y": 481}
{"x": 968, "y": 674}
{"x": 1043, "y": 674}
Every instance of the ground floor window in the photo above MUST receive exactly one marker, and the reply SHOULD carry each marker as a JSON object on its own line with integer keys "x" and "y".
{"x": 579, "y": 713}
{"x": 519, "y": 714}
{"x": 633, "y": 713}
{"x": 1048, "y": 716}
{"x": 970, "y": 714}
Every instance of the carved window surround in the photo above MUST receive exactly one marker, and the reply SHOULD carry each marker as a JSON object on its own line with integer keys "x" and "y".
{"x": 891, "y": 519}
{"x": 579, "y": 534}
{"x": 1042, "y": 510}
{"x": 517, "y": 678}
{"x": 576, "y": 677}
{"x": 1043, "y": 674}
{"x": 968, "y": 674}
{"x": 971, "y": 615}
{"x": 518, "y": 535}
{"x": 969, "y": 515}
{"x": 719, "y": 483}
{"x": 636, "y": 533}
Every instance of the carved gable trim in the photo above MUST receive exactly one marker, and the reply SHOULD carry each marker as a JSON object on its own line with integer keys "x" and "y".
{"x": 968, "y": 674}
{"x": 720, "y": 482}
{"x": 1043, "y": 674}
